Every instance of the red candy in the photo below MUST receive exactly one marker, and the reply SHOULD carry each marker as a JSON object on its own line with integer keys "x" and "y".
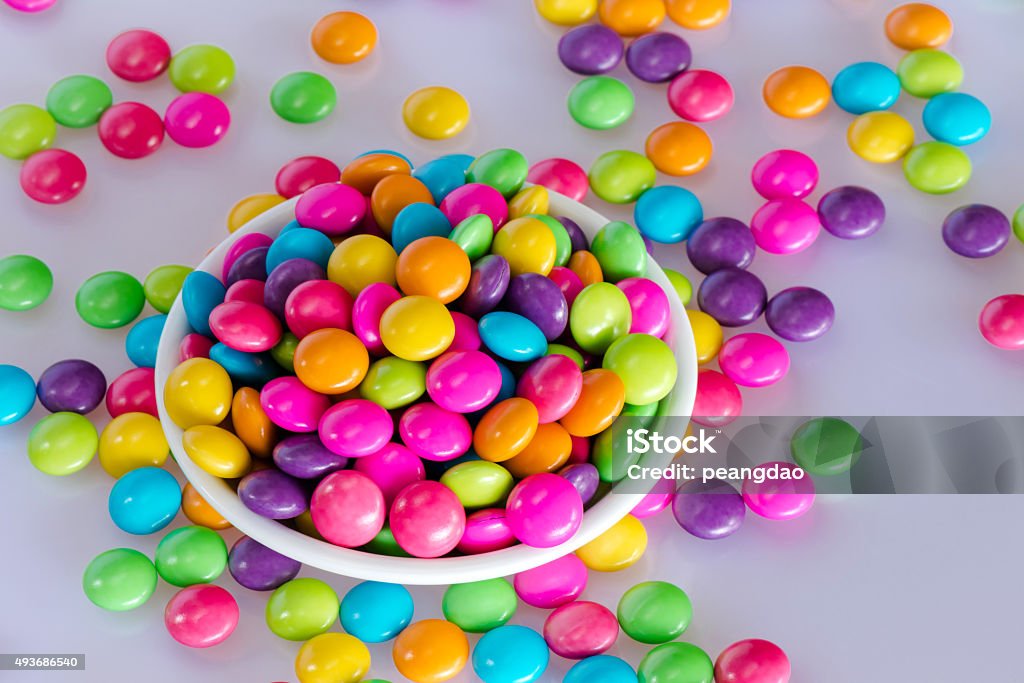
{"x": 133, "y": 391}
{"x": 1002, "y": 322}
{"x": 718, "y": 399}
{"x": 752, "y": 661}
{"x": 53, "y": 176}
{"x": 194, "y": 345}
{"x": 562, "y": 176}
{"x": 302, "y": 173}
{"x": 138, "y": 55}
{"x": 131, "y": 130}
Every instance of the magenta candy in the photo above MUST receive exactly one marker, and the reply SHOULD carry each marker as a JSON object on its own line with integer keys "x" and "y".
{"x": 52, "y": 176}
{"x": 433, "y": 433}
{"x": 201, "y": 616}
{"x": 244, "y": 326}
{"x": 285, "y": 278}
{"x": 241, "y": 245}
{"x": 138, "y": 55}
{"x": 463, "y": 381}
{"x": 250, "y": 265}
{"x": 718, "y": 399}
{"x": 130, "y": 130}
{"x": 700, "y": 95}
{"x": 392, "y": 468}
{"x": 581, "y": 629}
{"x": 317, "y": 304}
{"x": 778, "y": 498}
{"x": 553, "y": 384}
{"x": 580, "y": 452}
{"x": 561, "y": 176}
{"x": 753, "y": 359}
{"x": 302, "y": 173}
{"x": 367, "y": 310}
{"x": 133, "y": 391}
{"x": 427, "y": 519}
{"x": 785, "y": 226}
{"x": 649, "y": 305}
{"x": 197, "y": 119}
{"x": 272, "y": 494}
{"x": 567, "y": 281}
{"x": 657, "y": 500}
{"x": 472, "y": 199}
{"x": 752, "y": 661}
{"x": 331, "y": 208}
{"x": 305, "y": 457}
{"x": 248, "y": 291}
{"x": 356, "y": 427}
{"x": 784, "y": 173}
{"x": 194, "y": 345}
{"x": 1002, "y": 322}
{"x": 544, "y": 510}
{"x": 291, "y": 405}
{"x": 348, "y": 509}
{"x": 488, "y": 282}
{"x": 553, "y": 584}
{"x": 467, "y": 333}
{"x": 486, "y": 531}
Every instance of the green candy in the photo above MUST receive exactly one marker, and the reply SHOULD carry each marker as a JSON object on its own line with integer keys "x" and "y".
{"x": 62, "y": 443}
{"x": 109, "y": 300}
{"x": 384, "y": 543}
{"x": 937, "y": 167}
{"x": 25, "y": 282}
{"x": 202, "y": 68}
{"x": 645, "y": 364}
{"x": 621, "y": 176}
{"x": 478, "y": 483}
{"x": 119, "y": 580}
{"x": 927, "y": 73}
{"x": 563, "y": 350}
{"x": 78, "y": 101}
{"x": 599, "y": 316}
{"x": 610, "y": 455}
{"x": 480, "y": 606}
{"x": 676, "y": 663}
{"x": 163, "y": 284}
{"x": 303, "y": 97}
{"x": 620, "y": 250}
{"x": 643, "y": 415}
{"x": 826, "y": 446}
{"x": 283, "y": 352}
{"x": 24, "y": 130}
{"x": 601, "y": 102}
{"x": 301, "y": 609}
{"x": 563, "y": 243}
{"x": 191, "y": 555}
{"x": 654, "y": 612}
{"x": 474, "y": 235}
{"x": 503, "y": 169}
{"x": 393, "y": 382}
{"x": 684, "y": 290}
{"x": 1018, "y": 223}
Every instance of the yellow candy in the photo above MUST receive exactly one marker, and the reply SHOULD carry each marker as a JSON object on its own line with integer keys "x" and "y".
{"x": 880, "y": 136}
{"x": 566, "y": 12}
{"x": 418, "y": 327}
{"x": 527, "y": 244}
{"x": 619, "y": 547}
{"x": 435, "y": 113}
{"x": 131, "y": 441}
{"x": 217, "y": 451}
{"x": 707, "y": 335}
{"x": 360, "y": 261}
{"x": 198, "y": 392}
{"x": 249, "y": 207}
{"x": 332, "y": 658}
{"x": 529, "y": 200}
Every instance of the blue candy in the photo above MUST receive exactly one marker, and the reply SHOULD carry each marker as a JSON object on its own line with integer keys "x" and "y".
{"x": 376, "y": 612}
{"x": 418, "y": 220}
{"x": 143, "y": 339}
{"x": 864, "y": 87}
{"x": 17, "y": 394}
{"x": 957, "y": 118}
{"x": 200, "y": 294}
{"x": 443, "y": 175}
{"x": 512, "y": 336}
{"x": 248, "y": 368}
{"x": 667, "y": 214}
{"x": 290, "y": 225}
{"x": 511, "y": 654}
{"x": 144, "y": 500}
{"x": 300, "y": 243}
{"x": 604, "y": 668}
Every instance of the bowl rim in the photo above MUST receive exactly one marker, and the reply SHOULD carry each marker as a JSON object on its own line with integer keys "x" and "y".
{"x": 363, "y": 565}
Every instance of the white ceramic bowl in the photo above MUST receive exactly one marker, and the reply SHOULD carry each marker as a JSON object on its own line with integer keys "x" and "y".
{"x": 448, "y": 570}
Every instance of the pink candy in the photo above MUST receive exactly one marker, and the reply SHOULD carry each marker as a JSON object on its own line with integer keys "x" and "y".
{"x": 201, "y": 615}
{"x": 427, "y": 519}
{"x": 302, "y": 173}
{"x": 486, "y": 531}
{"x": 241, "y": 245}
{"x": 785, "y": 226}
{"x": 317, "y": 304}
{"x": 649, "y": 305}
{"x": 700, "y": 95}
{"x": 138, "y": 55}
{"x": 433, "y": 433}
{"x": 555, "y": 583}
{"x": 52, "y": 176}
{"x": 752, "y": 661}
{"x": 194, "y": 345}
{"x": 753, "y": 359}
{"x": 777, "y": 497}
{"x": 553, "y": 384}
{"x": 463, "y": 381}
{"x": 356, "y": 427}
{"x": 562, "y": 176}
{"x": 784, "y": 173}
{"x": 467, "y": 336}
{"x": 544, "y": 510}
{"x": 331, "y": 208}
{"x": 291, "y": 405}
{"x": 580, "y": 629}
{"x": 367, "y": 310}
{"x": 1002, "y": 322}
{"x": 30, "y": 5}
{"x": 392, "y": 468}
{"x": 348, "y": 509}
{"x": 657, "y": 500}
{"x": 245, "y": 326}
{"x": 197, "y": 119}
{"x": 471, "y": 199}
{"x": 567, "y": 281}
{"x": 718, "y": 399}
{"x": 133, "y": 391}
{"x": 250, "y": 291}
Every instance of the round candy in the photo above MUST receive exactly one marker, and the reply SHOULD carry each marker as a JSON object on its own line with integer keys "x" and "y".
{"x": 366, "y": 170}
{"x": 553, "y": 384}
{"x": 658, "y": 57}
{"x": 472, "y": 199}
{"x": 442, "y": 175}
{"x": 786, "y": 491}
{"x": 707, "y": 335}
{"x": 697, "y": 15}
{"x": 463, "y": 381}
{"x": 590, "y": 50}
{"x": 272, "y": 494}
{"x": 301, "y": 609}
{"x": 316, "y": 305}
{"x": 665, "y": 214}
{"x": 362, "y": 261}
{"x": 654, "y": 612}
{"x": 976, "y": 231}
{"x": 486, "y": 530}
{"x": 826, "y": 446}
{"x": 678, "y": 148}
{"x": 505, "y": 430}
{"x": 198, "y": 511}
{"x": 1002, "y": 321}
{"x": 732, "y": 296}
{"x": 331, "y": 208}
{"x": 427, "y": 519}
{"x": 201, "y": 616}
{"x": 285, "y": 279}
{"x": 865, "y": 86}
{"x": 566, "y": 12}
{"x": 393, "y": 382}
{"x": 431, "y": 651}
{"x": 541, "y": 301}
{"x": 163, "y": 284}
{"x": 109, "y": 300}
{"x": 718, "y": 401}
{"x": 646, "y": 366}
{"x": 259, "y": 568}
{"x": 417, "y": 328}
{"x": 434, "y": 267}
{"x": 343, "y": 37}
{"x": 503, "y": 169}
{"x": 880, "y": 136}
{"x": 617, "y": 548}
{"x": 191, "y": 555}
{"x": 300, "y": 243}
{"x": 510, "y": 653}
{"x": 721, "y": 243}
{"x": 604, "y": 668}
{"x": 30, "y": 5}
{"x": 474, "y": 236}
{"x": 78, "y": 101}
{"x": 74, "y": 386}
{"x": 478, "y": 483}
{"x": 753, "y": 359}
{"x": 119, "y": 580}
{"x": 330, "y": 657}
{"x": 527, "y": 244}
{"x": 138, "y": 55}
{"x": 584, "y": 477}
{"x": 800, "y": 314}
{"x": 131, "y": 130}
{"x": 434, "y": 433}
{"x": 258, "y": 243}
{"x": 480, "y": 606}
{"x": 53, "y": 176}
{"x": 217, "y": 451}
{"x": 245, "y": 326}
{"x": 927, "y": 73}
{"x": 197, "y": 119}
{"x": 17, "y": 394}
{"x": 544, "y": 510}
{"x": 709, "y": 509}
{"x": 417, "y": 220}
{"x": 621, "y": 176}
{"x": 202, "y": 68}
{"x": 144, "y": 501}
{"x": 24, "y": 130}
{"x": 552, "y": 584}
{"x": 25, "y": 282}
{"x": 918, "y": 24}
{"x": 302, "y": 173}
{"x": 784, "y": 173}
{"x": 631, "y": 17}
{"x": 293, "y": 406}
{"x": 600, "y": 402}
{"x": 194, "y": 345}
{"x": 796, "y": 92}
{"x": 851, "y": 212}
{"x": 305, "y": 457}
{"x": 512, "y": 336}
{"x": 700, "y": 95}
{"x": 435, "y": 113}
{"x": 62, "y": 443}
{"x": 303, "y": 97}
{"x": 331, "y": 361}
{"x": 600, "y": 315}
{"x": 957, "y": 118}
{"x": 248, "y": 208}
{"x": 355, "y": 427}
{"x": 198, "y": 392}
{"x": 367, "y": 311}
{"x": 752, "y": 661}
{"x": 393, "y": 194}
{"x": 580, "y": 629}
{"x": 937, "y": 167}
{"x": 676, "y": 663}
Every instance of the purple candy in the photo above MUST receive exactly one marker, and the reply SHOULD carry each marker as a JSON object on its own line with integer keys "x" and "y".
{"x": 488, "y": 283}
{"x": 584, "y": 477}
{"x": 710, "y": 510}
{"x": 851, "y": 212}
{"x": 648, "y": 244}
{"x": 976, "y": 231}
{"x": 576, "y": 234}
{"x": 539, "y": 300}
{"x": 721, "y": 243}
{"x": 658, "y": 57}
{"x": 286, "y": 277}
{"x": 73, "y": 386}
{"x": 732, "y": 296}
{"x": 306, "y": 457}
{"x": 800, "y": 314}
{"x": 273, "y": 494}
{"x": 250, "y": 265}
{"x": 591, "y": 49}
{"x": 259, "y": 568}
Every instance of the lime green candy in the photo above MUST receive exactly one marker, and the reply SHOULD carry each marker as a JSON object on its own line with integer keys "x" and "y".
{"x": 680, "y": 283}
{"x": 645, "y": 364}
{"x": 654, "y": 612}
{"x": 480, "y": 606}
{"x": 25, "y": 282}
{"x": 62, "y": 443}
{"x": 610, "y": 454}
{"x": 676, "y": 663}
{"x": 599, "y": 316}
{"x": 384, "y": 543}
{"x": 478, "y": 483}
{"x": 620, "y": 250}
{"x": 283, "y": 352}
{"x": 927, "y": 73}
{"x": 109, "y": 300}
{"x": 119, "y": 580}
{"x": 24, "y": 130}
{"x": 303, "y": 97}
{"x": 78, "y": 101}
{"x": 826, "y": 446}
{"x": 621, "y": 176}
{"x": 937, "y": 167}
{"x": 643, "y": 414}
{"x": 202, "y": 68}
{"x": 474, "y": 235}
{"x": 601, "y": 102}
{"x": 563, "y": 243}
{"x": 301, "y": 609}
{"x": 163, "y": 284}
{"x": 191, "y": 555}
{"x": 563, "y": 350}
{"x": 393, "y": 382}
{"x": 1018, "y": 223}
{"x": 503, "y": 169}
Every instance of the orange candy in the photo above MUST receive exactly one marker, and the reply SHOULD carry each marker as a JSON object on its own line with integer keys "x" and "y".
{"x": 698, "y": 14}
{"x": 586, "y": 266}
{"x": 918, "y": 25}
{"x": 343, "y": 37}
{"x": 251, "y": 424}
{"x": 363, "y": 173}
{"x": 631, "y": 17}
{"x": 600, "y": 402}
{"x": 430, "y": 651}
{"x": 548, "y": 450}
{"x": 796, "y": 92}
{"x": 392, "y": 194}
{"x": 199, "y": 511}
{"x": 331, "y": 361}
{"x": 433, "y": 266}
{"x": 505, "y": 430}
{"x": 678, "y": 148}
